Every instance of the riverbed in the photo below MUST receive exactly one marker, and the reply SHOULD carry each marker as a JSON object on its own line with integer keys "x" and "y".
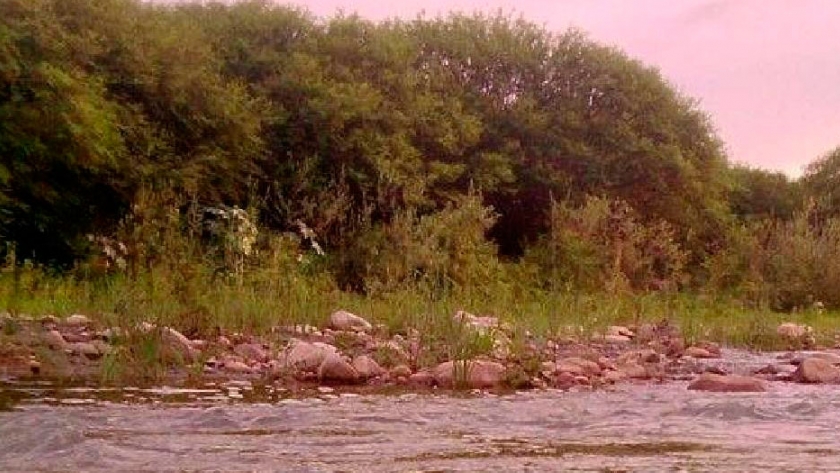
{"x": 240, "y": 427}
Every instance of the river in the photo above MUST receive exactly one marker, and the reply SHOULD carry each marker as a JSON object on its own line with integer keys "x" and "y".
{"x": 236, "y": 427}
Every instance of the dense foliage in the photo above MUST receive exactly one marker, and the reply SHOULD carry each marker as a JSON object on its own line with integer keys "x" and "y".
{"x": 435, "y": 151}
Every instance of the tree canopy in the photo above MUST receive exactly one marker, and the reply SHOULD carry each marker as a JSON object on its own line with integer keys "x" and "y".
{"x": 341, "y": 123}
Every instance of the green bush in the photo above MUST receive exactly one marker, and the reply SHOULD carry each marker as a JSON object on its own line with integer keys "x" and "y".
{"x": 603, "y": 245}
{"x": 436, "y": 252}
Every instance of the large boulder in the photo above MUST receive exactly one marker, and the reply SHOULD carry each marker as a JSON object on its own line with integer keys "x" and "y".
{"x": 816, "y": 370}
{"x": 343, "y": 320}
{"x": 335, "y": 369}
{"x": 727, "y": 384}
{"x": 474, "y": 374}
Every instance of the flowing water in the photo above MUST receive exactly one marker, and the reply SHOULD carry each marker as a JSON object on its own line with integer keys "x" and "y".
{"x": 236, "y": 427}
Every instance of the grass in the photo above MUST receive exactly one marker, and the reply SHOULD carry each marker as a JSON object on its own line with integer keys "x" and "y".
{"x": 199, "y": 303}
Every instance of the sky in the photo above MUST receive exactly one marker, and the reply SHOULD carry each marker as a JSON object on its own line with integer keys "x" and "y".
{"x": 766, "y": 71}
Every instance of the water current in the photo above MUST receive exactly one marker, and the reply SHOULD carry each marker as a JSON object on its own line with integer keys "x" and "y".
{"x": 239, "y": 427}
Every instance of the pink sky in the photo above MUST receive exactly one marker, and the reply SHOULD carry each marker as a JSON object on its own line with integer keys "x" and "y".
{"x": 767, "y": 71}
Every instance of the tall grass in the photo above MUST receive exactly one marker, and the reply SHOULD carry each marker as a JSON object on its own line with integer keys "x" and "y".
{"x": 422, "y": 269}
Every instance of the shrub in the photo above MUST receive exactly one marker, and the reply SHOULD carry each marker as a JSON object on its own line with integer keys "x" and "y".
{"x": 603, "y": 245}
{"x": 435, "y": 252}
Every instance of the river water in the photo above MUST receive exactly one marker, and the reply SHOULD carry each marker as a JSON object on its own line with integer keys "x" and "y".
{"x": 233, "y": 427}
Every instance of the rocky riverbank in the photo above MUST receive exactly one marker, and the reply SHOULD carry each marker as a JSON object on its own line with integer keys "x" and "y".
{"x": 350, "y": 351}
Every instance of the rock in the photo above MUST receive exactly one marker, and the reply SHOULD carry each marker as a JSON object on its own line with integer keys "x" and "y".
{"x": 634, "y": 371}
{"x": 646, "y": 332}
{"x": 34, "y": 367}
{"x": 400, "y": 371}
{"x": 711, "y": 347}
{"x": 480, "y": 324}
{"x": 793, "y": 331}
{"x": 475, "y": 374}
{"x": 697, "y": 352}
{"x": 587, "y": 367}
{"x": 727, "y": 384}
{"x": 832, "y": 358}
{"x": 613, "y": 376}
{"x": 675, "y": 347}
{"x": 77, "y": 337}
{"x": 768, "y": 370}
{"x": 639, "y": 356}
{"x": 620, "y": 331}
{"x": 564, "y": 380}
{"x": 236, "y": 366}
{"x": 102, "y": 346}
{"x": 343, "y": 320}
{"x": 251, "y": 351}
{"x": 816, "y": 370}
{"x": 49, "y": 319}
{"x": 77, "y": 320}
{"x": 715, "y": 370}
{"x": 421, "y": 378}
{"x": 109, "y": 334}
{"x": 305, "y": 356}
{"x": 54, "y": 340}
{"x": 176, "y": 346}
{"x": 367, "y": 367}
{"x": 570, "y": 368}
{"x": 88, "y": 350}
{"x": 335, "y": 369}
{"x": 617, "y": 339}
{"x": 390, "y": 353}
{"x": 605, "y": 363}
